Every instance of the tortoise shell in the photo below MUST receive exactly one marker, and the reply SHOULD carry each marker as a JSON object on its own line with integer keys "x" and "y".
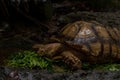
{"x": 84, "y": 41}
{"x": 92, "y": 36}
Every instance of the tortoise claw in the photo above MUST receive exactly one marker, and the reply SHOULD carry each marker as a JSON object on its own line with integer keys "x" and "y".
{"x": 71, "y": 59}
{"x": 57, "y": 57}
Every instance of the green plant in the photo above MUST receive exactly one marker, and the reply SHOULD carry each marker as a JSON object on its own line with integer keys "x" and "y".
{"x": 29, "y": 59}
{"x": 109, "y": 67}
{"x": 105, "y": 67}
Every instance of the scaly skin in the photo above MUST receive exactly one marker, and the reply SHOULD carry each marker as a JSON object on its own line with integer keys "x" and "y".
{"x": 59, "y": 51}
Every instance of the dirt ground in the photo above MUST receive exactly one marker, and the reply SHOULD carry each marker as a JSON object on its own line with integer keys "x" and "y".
{"x": 22, "y": 74}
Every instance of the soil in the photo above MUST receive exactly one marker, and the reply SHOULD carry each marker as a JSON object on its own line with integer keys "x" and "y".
{"x": 24, "y": 36}
{"x": 24, "y": 74}
{"x": 111, "y": 19}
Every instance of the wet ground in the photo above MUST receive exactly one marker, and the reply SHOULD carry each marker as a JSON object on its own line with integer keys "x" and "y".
{"x": 13, "y": 40}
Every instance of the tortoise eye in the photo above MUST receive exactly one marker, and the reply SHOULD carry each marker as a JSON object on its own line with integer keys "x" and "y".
{"x": 42, "y": 50}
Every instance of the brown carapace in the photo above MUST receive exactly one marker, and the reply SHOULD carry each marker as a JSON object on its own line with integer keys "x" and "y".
{"x": 83, "y": 41}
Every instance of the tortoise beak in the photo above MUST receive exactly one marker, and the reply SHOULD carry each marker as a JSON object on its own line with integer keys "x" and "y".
{"x": 38, "y": 48}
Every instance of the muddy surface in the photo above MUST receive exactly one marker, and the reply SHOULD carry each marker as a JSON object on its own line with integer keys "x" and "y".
{"x": 14, "y": 39}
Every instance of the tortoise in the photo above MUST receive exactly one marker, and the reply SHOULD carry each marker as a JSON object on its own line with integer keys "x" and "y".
{"x": 83, "y": 41}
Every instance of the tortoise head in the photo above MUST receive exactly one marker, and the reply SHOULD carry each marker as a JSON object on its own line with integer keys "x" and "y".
{"x": 48, "y": 50}
{"x": 39, "y": 48}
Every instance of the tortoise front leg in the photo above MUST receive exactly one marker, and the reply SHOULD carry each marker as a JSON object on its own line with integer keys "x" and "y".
{"x": 71, "y": 60}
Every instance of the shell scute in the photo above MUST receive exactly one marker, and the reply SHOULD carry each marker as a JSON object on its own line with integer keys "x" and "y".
{"x": 94, "y": 38}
